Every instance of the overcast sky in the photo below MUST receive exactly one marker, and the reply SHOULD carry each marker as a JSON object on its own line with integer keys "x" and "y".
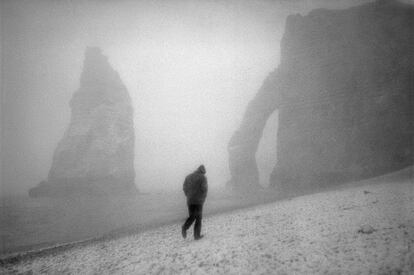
{"x": 190, "y": 67}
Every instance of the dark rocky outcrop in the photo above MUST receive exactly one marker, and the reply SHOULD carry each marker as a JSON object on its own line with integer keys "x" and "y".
{"x": 96, "y": 153}
{"x": 344, "y": 92}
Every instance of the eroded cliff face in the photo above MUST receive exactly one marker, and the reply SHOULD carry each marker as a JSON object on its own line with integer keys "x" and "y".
{"x": 96, "y": 153}
{"x": 344, "y": 92}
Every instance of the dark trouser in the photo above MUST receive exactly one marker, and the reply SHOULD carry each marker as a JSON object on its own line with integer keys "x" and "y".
{"x": 195, "y": 212}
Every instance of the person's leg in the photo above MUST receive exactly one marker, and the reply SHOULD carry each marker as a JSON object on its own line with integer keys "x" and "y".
{"x": 189, "y": 221}
{"x": 198, "y": 218}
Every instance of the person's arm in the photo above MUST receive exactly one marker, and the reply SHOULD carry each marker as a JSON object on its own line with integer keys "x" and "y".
{"x": 185, "y": 186}
{"x": 204, "y": 187}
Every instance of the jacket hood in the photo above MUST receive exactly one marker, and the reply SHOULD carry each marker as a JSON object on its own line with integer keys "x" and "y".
{"x": 201, "y": 169}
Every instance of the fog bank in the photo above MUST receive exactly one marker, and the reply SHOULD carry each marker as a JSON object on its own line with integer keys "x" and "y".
{"x": 190, "y": 67}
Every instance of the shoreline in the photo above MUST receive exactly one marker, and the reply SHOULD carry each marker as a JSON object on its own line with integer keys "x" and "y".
{"x": 261, "y": 198}
{"x": 317, "y": 233}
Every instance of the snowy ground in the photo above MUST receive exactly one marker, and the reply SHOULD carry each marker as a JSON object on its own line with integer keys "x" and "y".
{"x": 319, "y": 233}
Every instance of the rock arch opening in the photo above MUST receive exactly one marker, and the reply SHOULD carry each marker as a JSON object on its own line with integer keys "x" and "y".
{"x": 266, "y": 154}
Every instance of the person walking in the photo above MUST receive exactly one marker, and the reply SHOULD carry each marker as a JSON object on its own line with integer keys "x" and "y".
{"x": 195, "y": 189}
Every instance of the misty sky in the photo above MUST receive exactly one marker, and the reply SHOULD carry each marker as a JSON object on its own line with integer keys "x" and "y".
{"x": 190, "y": 67}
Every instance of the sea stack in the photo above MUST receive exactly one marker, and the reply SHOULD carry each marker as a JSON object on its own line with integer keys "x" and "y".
{"x": 344, "y": 93}
{"x": 96, "y": 154}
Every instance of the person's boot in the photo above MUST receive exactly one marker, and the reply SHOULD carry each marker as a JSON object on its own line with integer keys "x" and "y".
{"x": 183, "y": 232}
{"x": 198, "y": 237}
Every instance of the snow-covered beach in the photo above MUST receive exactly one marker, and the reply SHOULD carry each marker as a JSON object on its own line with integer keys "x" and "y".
{"x": 361, "y": 230}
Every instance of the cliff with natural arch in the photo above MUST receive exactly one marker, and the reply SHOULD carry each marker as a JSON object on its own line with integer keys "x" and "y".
{"x": 344, "y": 93}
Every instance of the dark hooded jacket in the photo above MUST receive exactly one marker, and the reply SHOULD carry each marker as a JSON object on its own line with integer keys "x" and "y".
{"x": 195, "y": 186}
